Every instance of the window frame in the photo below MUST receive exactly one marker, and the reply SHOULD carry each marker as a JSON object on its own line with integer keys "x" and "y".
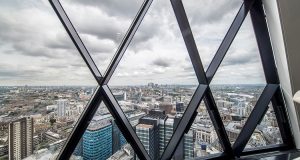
{"x": 272, "y": 92}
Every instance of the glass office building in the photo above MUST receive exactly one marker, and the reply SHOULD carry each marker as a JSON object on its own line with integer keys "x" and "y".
{"x": 97, "y": 140}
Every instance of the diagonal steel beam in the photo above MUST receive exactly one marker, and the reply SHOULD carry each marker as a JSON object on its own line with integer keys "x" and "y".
{"x": 264, "y": 43}
{"x": 181, "y": 127}
{"x": 126, "y": 41}
{"x": 94, "y": 103}
{"x": 189, "y": 40}
{"x": 75, "y": 38}
{"x": 123, "y": 123}
{"x": 255, "y": 118}
{"x": 198, "y": 67}
{"x": 229, "y": 37}
{"x": 121, "y": 120}
{"x": 81, "y": 125}
{"x": 269, "y": 66}
{"x": 216, "y": 119}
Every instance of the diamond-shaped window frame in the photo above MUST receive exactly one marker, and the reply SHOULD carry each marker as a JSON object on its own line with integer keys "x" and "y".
{"x": 272, "y": 91}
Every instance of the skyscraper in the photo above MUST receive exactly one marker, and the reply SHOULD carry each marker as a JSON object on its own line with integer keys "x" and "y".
{"x": 62, "y": 105}
{"x": 179, "y": 107}
{"x": 97, "y": 139}
{"x": 151, "y": 132}
{"x": 118, "y": 139}
{"x": 146, "y": 133}
{"x": 168, "y": 130}
{"x": 185, "y": 149}
{"x": 188, "y": 145}
{"x": 155, "y": 131}
{"x": 20, "y": 138}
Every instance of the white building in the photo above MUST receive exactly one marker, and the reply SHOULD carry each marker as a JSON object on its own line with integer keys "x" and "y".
{"x": 62, "y": 105}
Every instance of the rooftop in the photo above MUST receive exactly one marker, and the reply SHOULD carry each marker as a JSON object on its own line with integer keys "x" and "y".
{"x": 144, "y": 126}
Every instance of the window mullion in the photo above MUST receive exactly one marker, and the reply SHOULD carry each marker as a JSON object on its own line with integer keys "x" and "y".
{"x": 270, "y": 70}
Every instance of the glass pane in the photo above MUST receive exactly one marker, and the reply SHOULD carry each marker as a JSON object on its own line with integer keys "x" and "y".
{"x": 267, "y": 132}
{"x": 103, "y": 139}
{"x": 239, "y": 81}
{"x": 154, "y": 81}
{"x": 101, "y": 25}
{"x": 210, "y": 21}
{"x": 44, "y": 83}
{"x": 201, "y": 140}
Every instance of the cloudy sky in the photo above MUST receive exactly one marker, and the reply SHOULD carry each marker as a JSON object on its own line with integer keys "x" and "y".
{"x": 35, "y": 49}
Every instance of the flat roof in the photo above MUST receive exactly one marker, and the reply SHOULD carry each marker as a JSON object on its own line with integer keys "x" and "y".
{"x": 148, "y": 126}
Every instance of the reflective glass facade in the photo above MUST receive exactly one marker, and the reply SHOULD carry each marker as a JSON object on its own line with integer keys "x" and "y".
{"x": 97, "y": 144}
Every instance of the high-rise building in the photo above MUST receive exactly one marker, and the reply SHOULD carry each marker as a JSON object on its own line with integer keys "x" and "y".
{"x": 62, "y": 105}
{"x": 151, "y": 84}
{"x": 101, "y": 140}
{"x": 118, "y": 139}
{"x": 146, "y": 133}
{"x": 185, "y": 149}
{"x": 155, "y": 131}
{"x": 20, "y": 138}
{"x": 188, "y": 145}
{"x": 97, "y": 139}
{"x": 157, "y": 118}
{"x": 79, "y": 149}
{"x": 179, "y": 107}
{"x": 168, "y": 130}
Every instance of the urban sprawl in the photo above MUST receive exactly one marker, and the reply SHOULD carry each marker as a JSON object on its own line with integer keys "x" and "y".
{"x": 35, "y": 121}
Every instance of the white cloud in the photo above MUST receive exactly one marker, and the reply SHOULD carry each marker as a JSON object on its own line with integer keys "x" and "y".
{"x": 37, "y": 50}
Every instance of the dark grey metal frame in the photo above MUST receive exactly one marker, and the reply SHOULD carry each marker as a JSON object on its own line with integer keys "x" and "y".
{"x": 271, "y": 92}
{"x": 102, "y": 93}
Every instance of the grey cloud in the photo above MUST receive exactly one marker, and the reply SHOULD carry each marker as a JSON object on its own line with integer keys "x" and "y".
{"x": 61, "y": 41}
{"x": 188, "y": 68}
{"x": 241, "y": 57}
{"x": 30, "y": 39}
{"x": 102, "y": 31}
{"x": 210, "y": 11}
{"x": 102, "y": 46}
{"x": 32, "y": 50}
{"x": 14, "y": 73}
{"x": 112, "y": 24}
{"x": 187, "y": 74}
{"x": 162, "y": 62}
{"x": 47, "y": 43}
{"x": 36, "y": 47}
{"x": 128, "y": 8}
{"x": 104, "y": 19}
{"x": 78, "y": 65}
{"x": 9, "y": 74}
{"x": 58, "y": 66}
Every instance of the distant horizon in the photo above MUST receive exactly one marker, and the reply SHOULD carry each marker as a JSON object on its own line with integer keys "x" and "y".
{"x": 248, "y": 84}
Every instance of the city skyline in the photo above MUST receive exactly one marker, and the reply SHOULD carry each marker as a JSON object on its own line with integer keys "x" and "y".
{"x": 145, "y": 84}
{"x": 43, "y": 54}
{"x": 55, "y": 110}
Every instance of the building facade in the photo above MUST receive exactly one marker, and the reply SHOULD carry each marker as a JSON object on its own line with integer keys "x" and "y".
{"x": 97, "y": 139}
{"x": 62, "y": 105}
{"x": 20, "y": 138}
{"x": 146, "y": 134}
